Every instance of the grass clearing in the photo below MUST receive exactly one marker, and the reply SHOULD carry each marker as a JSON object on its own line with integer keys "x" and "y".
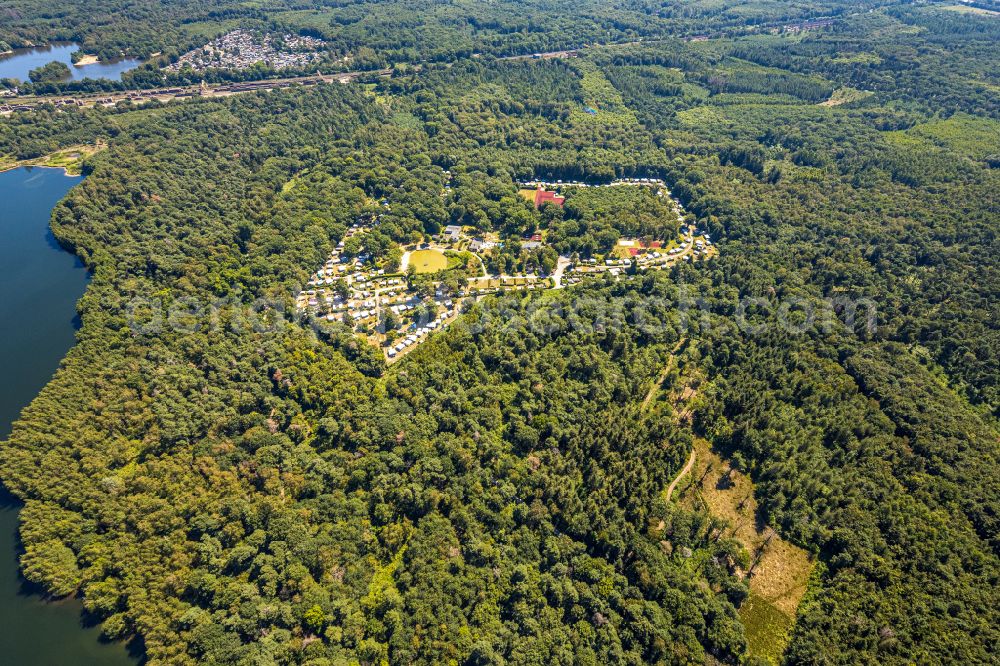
{"x": 767, "y": 628}
{"x": 208, "y": 30}
{"x": 428, "y": 261}
{"x": 846, "y": 95}
{"x": 71, "y": 159}
{"x": 316, "y": 19}
{"x": 620, "y": 252}
{"x": 407, "y": 120}
{"x": 780, "y": 570}
{"x": 861, "y": 58}
{"x": 967, "y": 9}
{"x": 599, "y": 94}
{"x": 528, "y": 194}
{"x": 699, "y": 117}
{"x": 966, "y": 135}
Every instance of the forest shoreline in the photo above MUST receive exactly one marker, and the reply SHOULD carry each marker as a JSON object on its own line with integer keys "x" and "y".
{"x": 53, "y": 279}
{"x": 70, "y": 159}
{"x": 12, "y": 167}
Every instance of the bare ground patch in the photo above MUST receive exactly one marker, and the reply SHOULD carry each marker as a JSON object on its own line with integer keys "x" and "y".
{"x": 779, "y": 571}
{"x": 71, "y": 159}
{"x": 844, "y": 96}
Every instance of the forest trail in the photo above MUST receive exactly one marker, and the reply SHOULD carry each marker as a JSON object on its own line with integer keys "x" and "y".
{"x": 680, "y": 475}
{"x": 663, "y": 375}
{"x": 779, "y": 572}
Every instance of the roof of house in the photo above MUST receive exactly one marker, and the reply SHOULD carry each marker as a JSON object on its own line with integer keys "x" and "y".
{"x": 543, "y": 196}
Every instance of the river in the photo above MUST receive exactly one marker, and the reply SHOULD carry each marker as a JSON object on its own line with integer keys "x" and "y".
{"x": 17, "y": 64}
{"x": 39, "y": 286}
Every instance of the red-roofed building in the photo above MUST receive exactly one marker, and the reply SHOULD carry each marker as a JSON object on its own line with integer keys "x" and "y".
{"x": 542, "y": 197}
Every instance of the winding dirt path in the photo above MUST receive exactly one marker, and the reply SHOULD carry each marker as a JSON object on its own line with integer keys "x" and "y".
{"x": 680, "y": 475}
{"x": 663, "y": 375}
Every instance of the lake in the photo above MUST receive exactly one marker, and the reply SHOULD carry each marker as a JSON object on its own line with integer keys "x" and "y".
{"x": 39, "y": 286}
{"x": 16, "y": 65}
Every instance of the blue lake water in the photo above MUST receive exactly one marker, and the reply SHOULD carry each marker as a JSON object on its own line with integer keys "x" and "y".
{"x": 39, "y": 286}
{"x": 16, "y": 65}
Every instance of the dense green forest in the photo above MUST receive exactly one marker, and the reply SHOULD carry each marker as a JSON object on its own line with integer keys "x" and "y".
{"x": 425, "y": 29}
{"x": 224, "y": 481}
{"x": 53, "y": 71}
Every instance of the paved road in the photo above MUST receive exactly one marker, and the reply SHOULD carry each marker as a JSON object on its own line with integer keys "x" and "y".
{"x": 560, "y": 269}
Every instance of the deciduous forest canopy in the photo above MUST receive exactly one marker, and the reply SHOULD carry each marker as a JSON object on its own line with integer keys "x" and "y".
{"x": 232, "y": 491}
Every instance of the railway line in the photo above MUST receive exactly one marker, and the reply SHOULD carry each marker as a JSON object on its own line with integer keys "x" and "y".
{"x": 165, "y": 94}
{"x": 170, "y": 93}
{"x": 181, "y": 92}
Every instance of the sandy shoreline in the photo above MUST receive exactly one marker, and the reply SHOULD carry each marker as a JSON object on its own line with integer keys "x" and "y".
{"x": 87, "y": 59}
{"x": 65, "y": 170}
{"x": 69, "y": 159}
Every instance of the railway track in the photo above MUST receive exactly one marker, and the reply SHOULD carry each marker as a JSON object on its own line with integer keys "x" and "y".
{"x": 213, "y": 90}
{"x": 182, "y": 92}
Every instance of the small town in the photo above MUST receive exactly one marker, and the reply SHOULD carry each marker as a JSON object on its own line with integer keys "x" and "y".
{"x": 241, "y": 49}
{"x": 397, "y": 310}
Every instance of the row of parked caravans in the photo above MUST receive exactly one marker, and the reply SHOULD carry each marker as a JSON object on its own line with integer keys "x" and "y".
{"x": 419, "y": 334}
{"x": 400, "y": 308}
{"x": 576, "y": 183}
